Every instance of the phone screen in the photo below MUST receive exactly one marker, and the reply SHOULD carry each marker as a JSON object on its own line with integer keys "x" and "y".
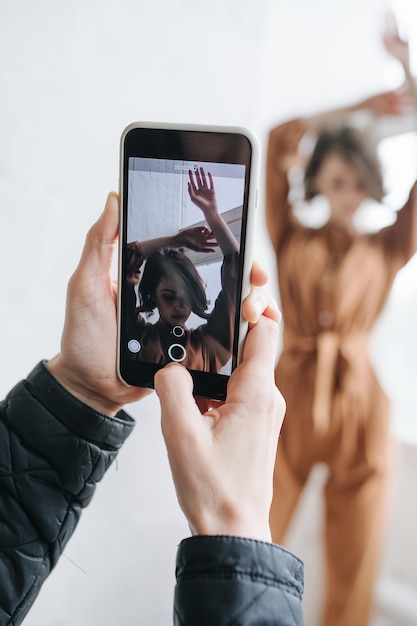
{"x": 183, "y": 240}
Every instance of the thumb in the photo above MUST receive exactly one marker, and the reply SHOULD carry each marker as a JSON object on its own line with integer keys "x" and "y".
{"x": 179, "y": 411}
{"x": 97, "y": 255}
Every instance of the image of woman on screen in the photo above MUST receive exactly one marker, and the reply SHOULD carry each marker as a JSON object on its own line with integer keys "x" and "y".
{"x": 168, "y": 281}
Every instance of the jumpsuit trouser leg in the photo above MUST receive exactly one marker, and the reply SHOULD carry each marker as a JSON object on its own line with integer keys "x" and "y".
{"x": 356, "y": 498}
{"x": 287, "y": 491}
{"x": 355, "y": 504}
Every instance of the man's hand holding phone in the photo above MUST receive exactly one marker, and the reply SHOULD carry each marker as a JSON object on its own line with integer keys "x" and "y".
{"x": 222, "y": 460}
{"x": 86, "y": 364}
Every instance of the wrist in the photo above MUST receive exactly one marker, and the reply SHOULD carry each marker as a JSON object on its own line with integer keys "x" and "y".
{"x": 175, "y": 241}
{"x": 258, "y": 534}
{"x": 78, "y": 387}
{"x": 251, "y": 529}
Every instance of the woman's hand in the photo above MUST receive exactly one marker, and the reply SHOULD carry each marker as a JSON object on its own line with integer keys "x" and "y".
{"x": 197, "y": 238}
{"x": 396, "y": 46}
{"x": 387, "y": 103}
{"x": 400, "y": 50}
{"x": 133, "y": 263}
{"x": 202, "y": 192}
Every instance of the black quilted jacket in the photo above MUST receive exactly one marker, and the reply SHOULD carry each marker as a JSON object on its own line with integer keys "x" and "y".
{"x": 53, "y": 450}
{"x": 230, "y": 581}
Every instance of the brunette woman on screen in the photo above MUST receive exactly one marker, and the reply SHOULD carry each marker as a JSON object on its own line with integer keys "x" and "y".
{"x": 171, "y": 284}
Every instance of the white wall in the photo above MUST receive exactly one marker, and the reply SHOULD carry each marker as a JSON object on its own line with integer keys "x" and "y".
{"x": 73, "y": 75}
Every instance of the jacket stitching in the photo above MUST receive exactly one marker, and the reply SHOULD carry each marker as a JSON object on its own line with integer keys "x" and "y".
{"x": 260, "y": 578}
{"x": 244, "y": 609}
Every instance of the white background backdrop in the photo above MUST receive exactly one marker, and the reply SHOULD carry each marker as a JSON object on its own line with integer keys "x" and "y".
{"x": 73, "y": 75}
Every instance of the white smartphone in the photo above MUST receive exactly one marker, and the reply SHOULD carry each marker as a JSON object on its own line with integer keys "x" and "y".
{"x": 188, "y": 195}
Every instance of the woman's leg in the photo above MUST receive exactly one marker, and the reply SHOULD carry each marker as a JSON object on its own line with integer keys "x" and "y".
{"x": 287, "y": 491}
{"x": 356, "y": 502}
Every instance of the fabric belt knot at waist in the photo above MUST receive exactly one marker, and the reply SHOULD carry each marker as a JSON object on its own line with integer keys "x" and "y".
{"x": 330, "y": 346}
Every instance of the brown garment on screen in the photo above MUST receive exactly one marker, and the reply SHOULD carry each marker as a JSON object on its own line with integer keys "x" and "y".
{"x": 333, "y": 286}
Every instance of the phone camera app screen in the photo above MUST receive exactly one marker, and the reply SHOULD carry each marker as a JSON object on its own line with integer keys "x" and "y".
{"x": 181, "y": 261}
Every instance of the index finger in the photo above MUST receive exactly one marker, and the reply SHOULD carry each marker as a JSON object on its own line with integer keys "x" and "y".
{"x": 258, "y": 276}
{"x": 260, "y": 302}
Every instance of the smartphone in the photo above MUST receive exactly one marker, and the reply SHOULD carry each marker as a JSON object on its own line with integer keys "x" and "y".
{"x": 187, "y": 198}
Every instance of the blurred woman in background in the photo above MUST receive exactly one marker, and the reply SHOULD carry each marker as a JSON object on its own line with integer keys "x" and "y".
{"x": 333, "y": 284}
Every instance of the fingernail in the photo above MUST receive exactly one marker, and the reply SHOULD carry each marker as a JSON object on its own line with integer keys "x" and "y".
{"x": 258, "y": 306}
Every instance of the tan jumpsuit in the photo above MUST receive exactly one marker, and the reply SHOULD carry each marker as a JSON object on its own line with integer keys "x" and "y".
{"x": 333, "y": 287}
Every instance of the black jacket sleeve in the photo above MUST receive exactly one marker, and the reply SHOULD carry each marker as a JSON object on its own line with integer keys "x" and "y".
{"x": 231, "y": 581}
{"x": 53, "y": 451}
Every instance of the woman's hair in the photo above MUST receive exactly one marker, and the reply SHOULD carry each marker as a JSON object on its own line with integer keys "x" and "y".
{"x": 174, "y": 264}
{"x": 353, "y": 147}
